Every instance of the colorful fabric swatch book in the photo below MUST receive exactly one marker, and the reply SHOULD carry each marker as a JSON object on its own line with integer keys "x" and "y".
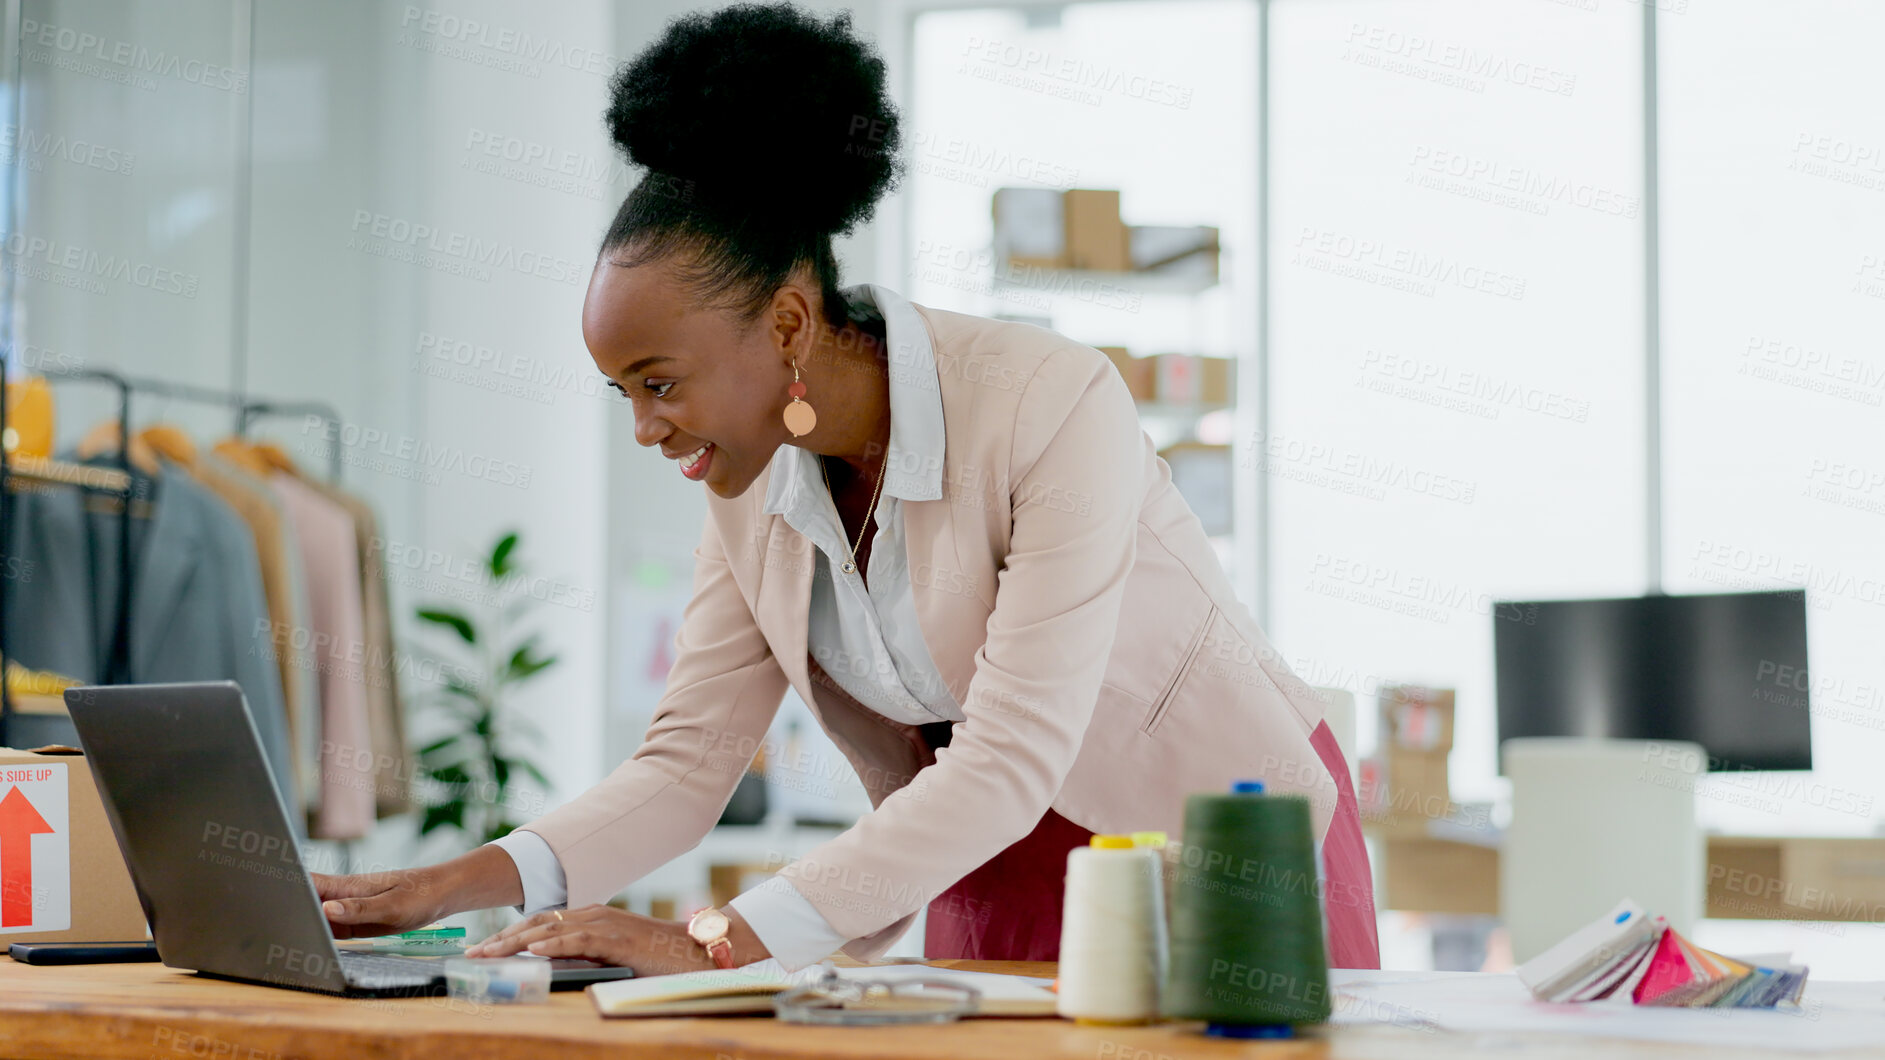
{"x": 1628, "y": 953}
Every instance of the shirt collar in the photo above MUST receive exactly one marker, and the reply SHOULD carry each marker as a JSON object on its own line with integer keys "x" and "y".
{"x": 916, "y": 413}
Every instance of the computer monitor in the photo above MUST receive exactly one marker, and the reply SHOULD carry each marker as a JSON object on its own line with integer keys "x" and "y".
{"x": 1727, "y": 671}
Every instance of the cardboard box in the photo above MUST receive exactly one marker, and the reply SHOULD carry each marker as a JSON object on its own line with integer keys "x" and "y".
{"x": 1096, "y": 238}
{"x": 1188, "y": 379}
{"x": 1424, "y": 875}
{"x": 1048, "y": 229}
{"x": 1417, "y": 718}
{"x": 1138, "y": 372}
{"x": 1417, "y": 785}
{"x": 1030, "y": 228}
{"x": 1217, "y": 381}
{"x": 1174, "y": 250}
{"x": 62, "y": 877}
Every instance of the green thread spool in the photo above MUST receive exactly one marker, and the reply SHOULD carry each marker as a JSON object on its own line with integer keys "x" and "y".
{"x": 1246, "y": 940}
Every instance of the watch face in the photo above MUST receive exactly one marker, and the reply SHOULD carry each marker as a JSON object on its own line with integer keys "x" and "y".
{"x": 708, "y": 924}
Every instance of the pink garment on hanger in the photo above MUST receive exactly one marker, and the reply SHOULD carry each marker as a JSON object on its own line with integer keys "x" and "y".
{"x": 336, "y": 647}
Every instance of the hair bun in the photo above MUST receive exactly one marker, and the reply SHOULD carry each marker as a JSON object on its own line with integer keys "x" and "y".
{"x": 764, "y": 107}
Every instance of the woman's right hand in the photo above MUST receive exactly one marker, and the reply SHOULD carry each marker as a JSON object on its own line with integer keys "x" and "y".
{"x": 385, "y": 903}
{"x": 379, "y": 903}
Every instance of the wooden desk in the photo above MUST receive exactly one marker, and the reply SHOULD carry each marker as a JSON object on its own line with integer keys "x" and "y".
{"x": 149, "y": 1011}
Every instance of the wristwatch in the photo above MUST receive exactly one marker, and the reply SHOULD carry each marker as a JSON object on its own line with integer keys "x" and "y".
{"x": 709, "y": 928}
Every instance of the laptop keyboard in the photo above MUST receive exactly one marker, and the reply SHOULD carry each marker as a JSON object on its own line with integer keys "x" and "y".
{"x": 377, "y": 971}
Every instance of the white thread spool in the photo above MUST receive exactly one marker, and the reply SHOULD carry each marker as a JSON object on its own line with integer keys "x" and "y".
{"x": 1113, "y": 943}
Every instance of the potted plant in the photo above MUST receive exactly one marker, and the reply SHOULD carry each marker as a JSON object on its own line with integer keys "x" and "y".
{"x": 475, "y": 765}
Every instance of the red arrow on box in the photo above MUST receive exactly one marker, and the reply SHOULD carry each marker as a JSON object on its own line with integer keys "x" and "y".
{"x": 19, "y": 823}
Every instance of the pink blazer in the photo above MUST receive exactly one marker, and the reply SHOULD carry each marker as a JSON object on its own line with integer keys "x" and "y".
{"x": 1068, "y": 597}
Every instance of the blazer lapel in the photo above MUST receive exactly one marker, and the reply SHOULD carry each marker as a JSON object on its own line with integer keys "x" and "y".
{"x": 784, "y": 598}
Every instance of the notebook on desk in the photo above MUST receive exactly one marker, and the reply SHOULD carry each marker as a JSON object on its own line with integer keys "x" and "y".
{"x": 750, "y": 989}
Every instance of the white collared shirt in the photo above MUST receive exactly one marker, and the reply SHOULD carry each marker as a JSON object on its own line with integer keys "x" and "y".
{"x": 863, "y": 633}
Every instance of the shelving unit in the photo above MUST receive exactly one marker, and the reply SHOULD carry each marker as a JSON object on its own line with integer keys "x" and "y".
{"x": 1069, "y": 294}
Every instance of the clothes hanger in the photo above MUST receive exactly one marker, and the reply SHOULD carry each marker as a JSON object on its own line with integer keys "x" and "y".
{"x": 170, "y": 441}
{"x": 277, "y": 458}
{"x": 243, "y": 455}
{"x": 104, "y": 439}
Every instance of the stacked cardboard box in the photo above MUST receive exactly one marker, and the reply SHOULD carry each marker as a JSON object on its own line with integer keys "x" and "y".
{"x": 1189, "y": 379}
{"x": 1175, "y": 378}
{"x": 1140, "y": 373}
{"x": 1077, "y": 229}
{"x": 1096, "y": 238}
{"x": 1416, "y": 736}
{"x": 1081, "y": 229}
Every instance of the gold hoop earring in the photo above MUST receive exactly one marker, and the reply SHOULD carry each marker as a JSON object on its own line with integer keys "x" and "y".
{"x": 800, "y": 418}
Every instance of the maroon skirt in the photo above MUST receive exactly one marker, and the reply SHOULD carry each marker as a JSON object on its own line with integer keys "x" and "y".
{"x": 1009, "y": 909}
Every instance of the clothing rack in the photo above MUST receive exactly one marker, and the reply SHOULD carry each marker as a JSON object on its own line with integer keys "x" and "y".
{"x": 120, "y": 481}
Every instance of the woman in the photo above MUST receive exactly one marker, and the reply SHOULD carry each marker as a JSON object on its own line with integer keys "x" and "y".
{"x": 948, "y": 534}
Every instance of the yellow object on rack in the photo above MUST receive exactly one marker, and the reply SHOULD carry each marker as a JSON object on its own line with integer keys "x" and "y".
{"x": 36, "y": 691}
{"x": 24, "y": 682}
{"x": 29, "y": 418}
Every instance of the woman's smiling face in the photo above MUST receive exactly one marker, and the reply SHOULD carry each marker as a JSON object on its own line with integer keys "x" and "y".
{"x": 697, "y": 378}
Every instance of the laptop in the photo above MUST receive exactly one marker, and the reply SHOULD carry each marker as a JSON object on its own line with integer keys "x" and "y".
{"x": 205, "y": 835}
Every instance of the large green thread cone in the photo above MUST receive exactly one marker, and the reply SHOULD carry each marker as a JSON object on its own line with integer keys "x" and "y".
{"x": 1246, "y": 943}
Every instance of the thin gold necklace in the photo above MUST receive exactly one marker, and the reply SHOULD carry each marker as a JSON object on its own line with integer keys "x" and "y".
{"x": 850, "y": 565}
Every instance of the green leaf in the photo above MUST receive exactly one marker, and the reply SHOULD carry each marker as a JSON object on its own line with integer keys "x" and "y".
{"x": 454, "y": 773}
{"x": 500, "y": 771}
{"x": 523, "y": 662}
{"x": 456, "y": 621}
{"x": 500, "y": 562}
{"x": 535, "y": 773}
{"x": 441, "y": 760}
{"x": 443, "y": 815}
{"x": 457, "y": 686}
{"x": 439, "y": 745}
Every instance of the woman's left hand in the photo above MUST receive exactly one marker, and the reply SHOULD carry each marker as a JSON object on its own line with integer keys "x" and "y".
{"x": 613, "y": 936}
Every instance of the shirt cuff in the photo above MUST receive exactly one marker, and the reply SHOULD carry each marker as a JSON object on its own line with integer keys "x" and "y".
{"x": 791, "y": 928}
{"x": 545, "y": 886}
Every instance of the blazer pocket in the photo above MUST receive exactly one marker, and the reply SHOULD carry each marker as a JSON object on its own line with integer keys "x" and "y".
{"x": 1177, "y": 681}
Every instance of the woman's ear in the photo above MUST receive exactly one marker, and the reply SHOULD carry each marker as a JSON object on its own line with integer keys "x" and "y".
{"x": 792, "y": 325}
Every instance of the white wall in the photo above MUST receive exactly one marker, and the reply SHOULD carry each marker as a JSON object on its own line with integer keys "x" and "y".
{"x": 119, "y": 166}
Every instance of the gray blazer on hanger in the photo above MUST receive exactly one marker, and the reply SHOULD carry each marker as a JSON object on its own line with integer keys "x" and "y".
{"x": 197, "y": 609}
{"x": 49, "y": 585}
